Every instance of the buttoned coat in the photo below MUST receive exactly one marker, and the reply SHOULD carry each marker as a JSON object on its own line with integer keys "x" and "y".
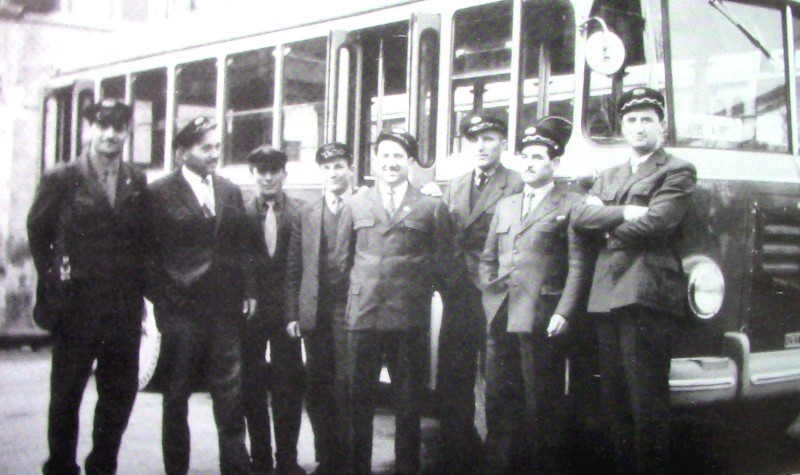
{"x": 537, "y": 264}
{"x": 106, "y": 244}
{"x": 303, "y": 267}
{"x": 471, "y": 223}
{"x": 639, "y": 263}
{"x": 393, "y": 263}
{"x": 191, "y": 267}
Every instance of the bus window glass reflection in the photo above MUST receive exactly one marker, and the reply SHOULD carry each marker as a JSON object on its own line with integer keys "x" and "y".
{"x": 196, "y": 91}
{"x": 149, "y": 117}
{"x": 304, "y": 98}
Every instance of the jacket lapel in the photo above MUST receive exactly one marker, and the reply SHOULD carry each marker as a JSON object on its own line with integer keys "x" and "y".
{"x": 491, "y": 195}
{"x": 646, "y": 169}
{"x": 377, "y": 209}
{"x": 406, "y": 207}
{"x": 184, "y": 192}
{"x": 545, "y": 207}
{"x": 313, "y": 225}
{"x": 90, "y": 184}
{"x": 125, "y": 185}
{"x": 460, "y": 193}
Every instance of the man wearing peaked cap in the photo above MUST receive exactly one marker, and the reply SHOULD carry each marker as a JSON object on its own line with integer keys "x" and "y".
{"x": 272, "y": 215}
{"x": 87, "y": 230}
{"x": 534, "y": 273}
{"x": 393, "y": 247}
{"x": 471, "y": 199}
{"x": 315, "y": 303}
{"x": 637, "y": 210}
{"x": 198, "y": 287}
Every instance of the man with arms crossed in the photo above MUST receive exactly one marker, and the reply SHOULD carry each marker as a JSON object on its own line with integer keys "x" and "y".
{"x": 315, "y": 304}
{"x": 201, "y": 242}
{"x": 90, "y": 216}
{"x": 638, "y": 288}
{"x": 395, "y": 246}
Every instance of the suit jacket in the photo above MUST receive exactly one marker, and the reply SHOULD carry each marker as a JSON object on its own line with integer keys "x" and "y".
{"x": 639, "y": 263}
{"x": 106, "y": 245}
{"x": 303, "y": 267}
{"x": 539, "y": 265}
{"x": 394, "y": 263}
{"x": 268, "y": 273}
{"x": 471, "y": 225}
{"x": 198, "y": 264}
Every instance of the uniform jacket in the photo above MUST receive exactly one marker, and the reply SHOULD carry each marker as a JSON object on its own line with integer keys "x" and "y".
{"x": 470, "y": 226}
{"x": 106, "y": 245}
{"x": 193, "y": 269}
{"x": 394, "y": 263}
{"x": 539, "y": 265}
{"x": 639, "y": 262}
{"x": 303, "y": 267}
{"x": 267, "y": 273}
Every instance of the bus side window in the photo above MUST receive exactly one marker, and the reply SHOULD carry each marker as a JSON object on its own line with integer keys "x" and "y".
{"x": 196, "y": 92}
{"x": 149, "y": 91}
{"x": 304, "y": 100}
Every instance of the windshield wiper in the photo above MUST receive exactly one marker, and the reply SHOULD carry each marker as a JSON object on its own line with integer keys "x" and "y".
{"x": 717, "y": 4}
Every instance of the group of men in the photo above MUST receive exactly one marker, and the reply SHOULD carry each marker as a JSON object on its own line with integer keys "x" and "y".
{"x": 517, "y": 258}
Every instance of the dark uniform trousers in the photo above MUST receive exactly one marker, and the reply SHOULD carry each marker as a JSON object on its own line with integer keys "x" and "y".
{"x": 525, "y": 401}
{"x": 405, "y": 352}
{"x": 111, "y": 338}
{"x": 283, "y": 377}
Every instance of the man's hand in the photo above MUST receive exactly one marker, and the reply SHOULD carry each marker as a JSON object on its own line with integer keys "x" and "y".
{"x": 558, "y": 325}
{"x": 293, "y": 329}
{"x": 632, "y": 212}
{"x": 249, "y": 308}
{"x": 431, "y": 189}
{"x": 594, "y": 200}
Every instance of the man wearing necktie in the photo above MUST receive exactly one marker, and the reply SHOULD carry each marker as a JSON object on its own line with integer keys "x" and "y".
{"x": 394, "y": 260}
{"x": 471, "y": 199}
{"x": 315, "y": 302}
{"x": 535, "y": 275}
{"x": 87, "y": 229}
{"x": 636, "y": 209}
{"x": 272, "y": 215}
{"x": 198, "y": 286}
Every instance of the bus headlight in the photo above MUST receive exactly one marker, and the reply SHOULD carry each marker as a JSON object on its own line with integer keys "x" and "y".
{"x": 706, "y": 286}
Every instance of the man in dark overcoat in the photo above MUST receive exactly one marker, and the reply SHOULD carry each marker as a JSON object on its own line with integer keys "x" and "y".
{"x": 638, "y": 289}
{"x": 87, "y": 231}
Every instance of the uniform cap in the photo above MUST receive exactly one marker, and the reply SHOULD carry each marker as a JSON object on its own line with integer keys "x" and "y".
{"x": 109, "y": 112}
{"x": 333, "y": 151}
{"x": 402, "y": 137}
{"x": 639, "y": 97}
{"x": 552, "y": 131}
{"x": 267, "y": 158}
{"x": 471, "y": 126}
{"x": 192, "y": 132}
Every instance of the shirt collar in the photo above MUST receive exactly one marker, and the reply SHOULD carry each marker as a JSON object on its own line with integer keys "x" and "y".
{"x": 541, "y": 191}
{"x": 113, "y": 169}
{"x": 193, "y": 178}
{"x": 490, "y": 172}
{"x": 399, "y": 191}
{"x": 330, "y": 197}
{"x": 636, "y": 162}
{"x": 278, "y": 201}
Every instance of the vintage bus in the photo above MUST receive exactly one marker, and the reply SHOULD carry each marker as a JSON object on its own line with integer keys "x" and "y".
{"x": 310, "y": 75}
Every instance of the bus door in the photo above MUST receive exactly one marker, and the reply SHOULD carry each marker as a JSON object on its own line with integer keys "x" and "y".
{"x": 381, "y": 78}
{"x": 64, "y": 128}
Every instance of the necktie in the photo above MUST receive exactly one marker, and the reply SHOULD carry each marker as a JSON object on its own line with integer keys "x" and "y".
{"x": 391, "y": 204}
{"x": 335, "y": 204}
{"x": 481, "y": 180}
{"x": 208, "y": 197}
{"x": 527, "y": 203}
{"x": 110, "y": 186}
{"x": 271, "y": 229}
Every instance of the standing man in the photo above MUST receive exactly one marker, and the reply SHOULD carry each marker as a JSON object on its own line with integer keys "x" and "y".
{"x": 315, "y": 304}
{"x": 471, "y": 199}
{"x": 535, "y": 275}
{"x": 638, "y": 287}
{"x": 87, "y": 229}
{"x": 394, "y": 244}
{"x": 272, "y": 215}
{"x": 201, "y": 241}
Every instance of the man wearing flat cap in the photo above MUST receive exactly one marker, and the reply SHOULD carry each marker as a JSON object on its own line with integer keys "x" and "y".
{"x": 637, "y": 210}
{"x": 395, "y": 247}
{"x": 271, "y": 214}
{"x": 315, "y": 304}
{"x": 471, "y": 199}
{"x": 201, "y": 244}
{"x": 535, "y": 274}
{"x": 87, "y": 233}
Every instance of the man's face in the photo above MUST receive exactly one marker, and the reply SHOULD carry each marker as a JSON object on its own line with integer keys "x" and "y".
{"x": 391, "y": 163}
{"x": 537, "y": 168}
{"x": 487, "y": 148}
{"x": 643, "y": 130}
{"x": 203, "y": 157}
{"x": 269, "y": 181}
{"x": 336, "y": 176}
{"x": 108, "y": 140}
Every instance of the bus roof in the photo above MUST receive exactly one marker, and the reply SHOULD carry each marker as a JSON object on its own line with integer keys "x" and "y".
{"x": 238, "y": 20}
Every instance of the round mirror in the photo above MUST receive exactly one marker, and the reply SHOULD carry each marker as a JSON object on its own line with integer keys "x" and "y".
{"x": 605, "y": 52}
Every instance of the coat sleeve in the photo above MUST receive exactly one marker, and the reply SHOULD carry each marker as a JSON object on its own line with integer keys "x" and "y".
{"x": 666, "y": 208}
{"x": 579, "y": 273}
{"x": 43, "y": 218}
{"x": 596, "y": 218}
{"x": 156, "y": 274}
{"x": 489, "y": 263}
{"x": 444, "y": 255}
{"x": 344, "y": 254}
{"x": 294, "y": 271}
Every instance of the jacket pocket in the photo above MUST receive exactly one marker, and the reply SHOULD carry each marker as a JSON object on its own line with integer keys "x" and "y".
{"x": 363, "y": 223}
